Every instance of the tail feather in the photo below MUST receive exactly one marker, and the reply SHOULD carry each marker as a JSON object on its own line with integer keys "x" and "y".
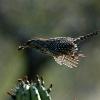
{"x": 82, "y": 38}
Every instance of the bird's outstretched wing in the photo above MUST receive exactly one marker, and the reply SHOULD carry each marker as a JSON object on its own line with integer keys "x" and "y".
{"x": 68, "y": 60}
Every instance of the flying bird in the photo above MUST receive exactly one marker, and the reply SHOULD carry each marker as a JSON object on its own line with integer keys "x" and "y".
{"x": 64, "y": 50}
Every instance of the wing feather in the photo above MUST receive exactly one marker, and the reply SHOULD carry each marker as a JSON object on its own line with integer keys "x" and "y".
{"x": 66, "y": 60}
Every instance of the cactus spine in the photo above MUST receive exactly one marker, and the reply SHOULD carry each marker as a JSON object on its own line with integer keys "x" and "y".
{"x": 26, "y": 90}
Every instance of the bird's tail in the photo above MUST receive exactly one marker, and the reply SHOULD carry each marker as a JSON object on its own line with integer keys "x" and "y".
{"x": 85, "y": 37}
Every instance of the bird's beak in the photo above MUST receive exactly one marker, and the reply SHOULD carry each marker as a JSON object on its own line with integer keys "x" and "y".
{"x": 21, "y": 47}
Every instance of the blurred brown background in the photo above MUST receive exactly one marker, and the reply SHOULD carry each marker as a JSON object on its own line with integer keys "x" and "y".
{"x": 21, "y": 20}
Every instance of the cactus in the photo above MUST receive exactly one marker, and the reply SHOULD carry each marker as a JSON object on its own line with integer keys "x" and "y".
{"x": 26, "y": 90}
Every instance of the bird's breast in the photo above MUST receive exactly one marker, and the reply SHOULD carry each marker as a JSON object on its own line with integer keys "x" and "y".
{"x": 57, "y": 47}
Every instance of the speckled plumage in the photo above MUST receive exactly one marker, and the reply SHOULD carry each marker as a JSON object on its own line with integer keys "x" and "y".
{"x": 63, "y": 49}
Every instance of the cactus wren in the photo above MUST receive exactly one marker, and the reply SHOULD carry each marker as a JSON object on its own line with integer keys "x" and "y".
{"x": 63, "y": 49}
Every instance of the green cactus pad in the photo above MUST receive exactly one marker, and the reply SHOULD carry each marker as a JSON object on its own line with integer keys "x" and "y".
{"x": 26, "y": 90}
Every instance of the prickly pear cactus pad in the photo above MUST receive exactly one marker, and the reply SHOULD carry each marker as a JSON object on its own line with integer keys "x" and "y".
{"x": 26, "y": 90}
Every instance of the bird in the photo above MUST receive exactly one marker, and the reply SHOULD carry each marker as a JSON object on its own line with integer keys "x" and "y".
{"x": 64, "y": 50}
